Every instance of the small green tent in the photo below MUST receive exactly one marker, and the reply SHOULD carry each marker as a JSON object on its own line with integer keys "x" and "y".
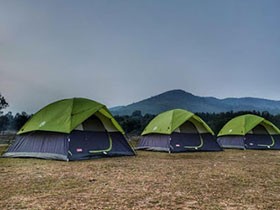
{"x": 71, "y": 129}
{"x": 249, "y": 132}
{"x": 178, "y": 130}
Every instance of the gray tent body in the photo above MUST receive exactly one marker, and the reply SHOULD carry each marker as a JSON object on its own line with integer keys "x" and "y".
{"x": 185, "y": 138}
{"x": 89, "y": 140}
{"x": 179, "y": 142}
{"x": 257, "y": 138}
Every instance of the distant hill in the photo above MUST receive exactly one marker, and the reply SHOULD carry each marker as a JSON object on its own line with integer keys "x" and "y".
{"x": 184, "y": 100}
{"x": 116, "y": 108}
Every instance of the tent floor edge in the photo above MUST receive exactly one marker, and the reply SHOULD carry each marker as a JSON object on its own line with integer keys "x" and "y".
{"x": 40, "y": 155}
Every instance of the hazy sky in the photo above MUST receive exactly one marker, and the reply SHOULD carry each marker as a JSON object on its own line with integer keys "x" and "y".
{"x": 121, "y": 51}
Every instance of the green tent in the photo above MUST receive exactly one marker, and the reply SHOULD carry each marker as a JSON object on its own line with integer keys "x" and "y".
{"x": 167, "y": 122}
{"x": 65, "y": 115}
{"x": 178, "y": 130}
{"x": 248, "y": 131}
{"x": 71, "y": 129}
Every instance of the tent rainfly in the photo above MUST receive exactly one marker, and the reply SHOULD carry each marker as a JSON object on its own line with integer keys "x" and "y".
{"x": 71, "y": 129}
{"x": 178, "y": 131}
{"x": 249, "y": 132}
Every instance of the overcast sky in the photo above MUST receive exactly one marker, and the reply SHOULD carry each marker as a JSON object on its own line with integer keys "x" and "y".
{"x": 121, "y": 51}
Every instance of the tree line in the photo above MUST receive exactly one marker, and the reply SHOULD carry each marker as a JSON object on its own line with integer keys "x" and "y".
{"x": 135, "y": 123}
{"x": 10, "y": 122}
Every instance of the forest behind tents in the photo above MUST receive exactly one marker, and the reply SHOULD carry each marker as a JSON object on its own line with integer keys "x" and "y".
{"x": 135, "y": 120}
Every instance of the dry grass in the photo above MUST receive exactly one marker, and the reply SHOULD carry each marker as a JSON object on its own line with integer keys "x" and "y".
{"x": 231, "y": 180}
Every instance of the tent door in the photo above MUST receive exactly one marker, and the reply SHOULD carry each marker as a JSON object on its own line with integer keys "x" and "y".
{"x": 196, "y": 146}
{"x": 181, "y": 142}
{"x": 105, "y": 150}
{"x": 262, "y": 137}
{"x": 260, "y": 141}
{"x": 268, "y": 145}
{"x": 190, "y": 132}
{"x": 84, "y": 144}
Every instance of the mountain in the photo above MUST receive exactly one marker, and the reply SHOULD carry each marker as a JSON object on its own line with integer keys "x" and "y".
{"x": 116, "y": 108}
{"x": 180, "y": 99}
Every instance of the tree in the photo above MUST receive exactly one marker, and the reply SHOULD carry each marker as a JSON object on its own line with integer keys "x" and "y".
{"x": 4, "y": 123}
{"x": 137, "y": 113}
{"x": 3, "y": 103}
{"x": 20, "y": 120}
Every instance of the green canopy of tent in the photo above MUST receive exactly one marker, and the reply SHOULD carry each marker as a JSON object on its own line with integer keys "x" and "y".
{"x": 65, "y": 115}
{"x": 241, "y": 125}
{"x": 167, "y": 122}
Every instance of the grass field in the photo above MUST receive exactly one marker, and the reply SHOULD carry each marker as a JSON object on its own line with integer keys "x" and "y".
{"x": 233, "y": 179}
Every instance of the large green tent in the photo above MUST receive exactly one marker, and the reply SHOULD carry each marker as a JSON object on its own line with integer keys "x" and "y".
{"x": 65, "y": 115}
{"x": 249, "y": 132}
{"x": 178, "y": 130}
{"x": 71, "y": 129}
